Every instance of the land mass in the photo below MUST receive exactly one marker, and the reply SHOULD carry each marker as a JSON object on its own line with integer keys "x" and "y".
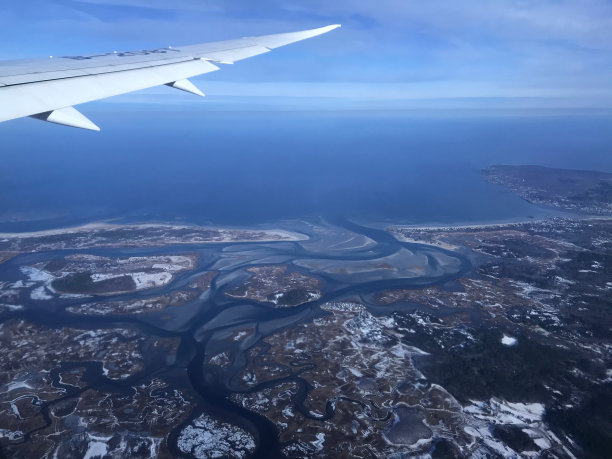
{"x": 587, "y": 192}
{"x": 478, "y": 341}
{"x": 274, "y": 284}
{"x": 101, "y": 235}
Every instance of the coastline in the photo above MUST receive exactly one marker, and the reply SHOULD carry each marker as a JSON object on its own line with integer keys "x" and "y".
{"x": 272, "y": 234}
{"x": 426, "y": 234}
{"x": 491, "y": 224}
{"x": 284, "y": 235}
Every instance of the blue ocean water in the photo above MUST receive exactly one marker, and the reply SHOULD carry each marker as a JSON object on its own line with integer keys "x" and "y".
{"x": 247, "y": 167}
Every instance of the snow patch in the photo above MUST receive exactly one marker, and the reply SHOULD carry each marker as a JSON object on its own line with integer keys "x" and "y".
{"x": 12, "y": 435}
{"x": 356, "y": 372}
{"x": 150, "y": 280}
{"x": 97, "y": 448}
{"x": 11, "y": 307}
{"x": 209, "y": 438}
{"x": 319, "y": 442}
{"x": 526, "y": 416}
{"x": 506, "y": 412}
{"x": 14, "y": 385}
{"x": 36, "y": 275}
{"x": 40, "y": 293}
{"x": 98, "y": 277}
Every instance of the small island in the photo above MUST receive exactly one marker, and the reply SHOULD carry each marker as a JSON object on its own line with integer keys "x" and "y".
{"x": 275, "y": 284}
{"x": 104, "y": 235}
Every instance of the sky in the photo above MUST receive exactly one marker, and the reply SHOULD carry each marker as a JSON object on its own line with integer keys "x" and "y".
{"x": 504, "y": 52}
{"x": 522, "y": 60}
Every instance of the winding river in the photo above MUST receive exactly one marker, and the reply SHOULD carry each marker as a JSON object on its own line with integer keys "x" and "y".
{"x": 201, "y": 324}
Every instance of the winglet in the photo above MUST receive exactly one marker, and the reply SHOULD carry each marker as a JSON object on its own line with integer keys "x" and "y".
{"x": 187, "y": 86}
{"x": 282, "y": 39}
{"x": 68, "y": 116}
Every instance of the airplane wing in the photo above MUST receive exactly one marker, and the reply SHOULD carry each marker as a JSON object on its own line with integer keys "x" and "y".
{"x": 47, "y": 89}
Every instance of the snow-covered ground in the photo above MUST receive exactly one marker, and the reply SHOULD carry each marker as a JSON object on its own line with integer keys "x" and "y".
{"x": 11, "y": 435}
{"x": 503, "y": 412}
{"x": 208, "y": 438}
{"x": 97, "y": 447}
{"x": 222, "y": 235}
{"x": 36, "y": 275}
{"x": 40, "y": 293}
{"x": 528, "y": 417}
{"x": 120, "y": 444}
{"x": 162, "y": 274}
{"x": 150, "y": 280}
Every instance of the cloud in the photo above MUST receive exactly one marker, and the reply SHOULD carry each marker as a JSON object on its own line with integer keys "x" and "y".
{"x": 587, "y": 21}
{"x": 473, "y": 48}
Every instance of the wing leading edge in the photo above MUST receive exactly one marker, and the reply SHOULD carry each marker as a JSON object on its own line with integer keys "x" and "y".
{"x": 47, "y": 89}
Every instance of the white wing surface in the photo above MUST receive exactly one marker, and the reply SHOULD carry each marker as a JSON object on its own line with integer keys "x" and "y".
{"x": 48, "y": 89}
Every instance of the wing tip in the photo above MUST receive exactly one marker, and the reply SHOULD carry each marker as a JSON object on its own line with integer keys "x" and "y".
{"x": 328, "y": 28}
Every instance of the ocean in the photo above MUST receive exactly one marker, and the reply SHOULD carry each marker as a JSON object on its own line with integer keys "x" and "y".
{"x": 241, "y": 167}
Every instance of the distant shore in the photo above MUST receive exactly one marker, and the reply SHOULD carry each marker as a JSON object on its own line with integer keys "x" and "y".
{"x": 425, "y": 234}
{"x": 498, "y": 224}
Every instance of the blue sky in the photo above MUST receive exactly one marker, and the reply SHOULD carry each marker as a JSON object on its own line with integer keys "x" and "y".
{"x": 546, "y": 52}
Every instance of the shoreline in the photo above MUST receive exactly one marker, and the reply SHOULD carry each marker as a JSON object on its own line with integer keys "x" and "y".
{"x": 426, "y": 235}
{"x": 484, "y": 225}
{"x": 284, "y": 235}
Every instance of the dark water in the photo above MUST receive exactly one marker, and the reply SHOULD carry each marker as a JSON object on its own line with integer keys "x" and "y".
{"x": 203, "y": 165}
